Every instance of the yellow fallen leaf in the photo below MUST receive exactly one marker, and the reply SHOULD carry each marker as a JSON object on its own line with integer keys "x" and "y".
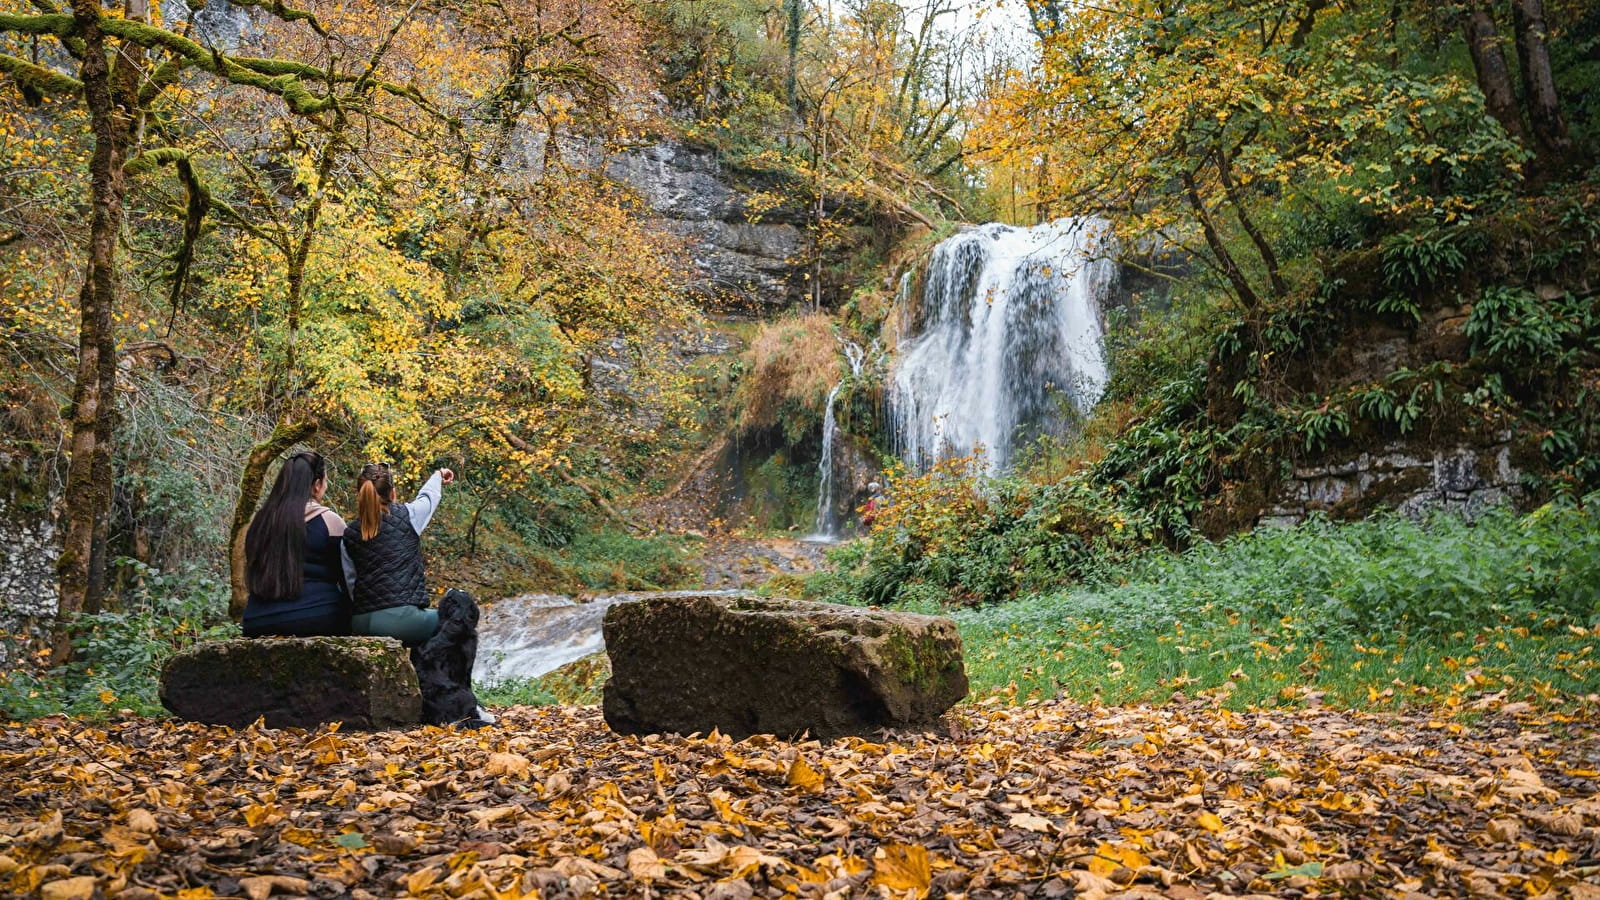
{"x": 1108, "y": 859}
{"x": 421, "y": 880}
{"x": 746, "y": 861}
{"x": 507, "y": 764}
{"x": 262, "y": 814}
{"x": 802, "y": 776}
{"x": 723, "y": 804}
{"x": 1211, "y": 822}
{"x": 902, "y": 867}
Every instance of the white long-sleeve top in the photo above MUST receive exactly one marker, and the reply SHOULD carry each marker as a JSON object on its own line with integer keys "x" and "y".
{"x": 421, "y": 510}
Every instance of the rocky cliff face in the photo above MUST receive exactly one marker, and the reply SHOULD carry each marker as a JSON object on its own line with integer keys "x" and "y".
{"x": 217, "y": 23}
{"x": 746, "y": 257}
{"x": 29, "y": 545}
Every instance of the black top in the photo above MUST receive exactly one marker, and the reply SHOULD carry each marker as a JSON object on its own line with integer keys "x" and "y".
{"x": 389, "y": 567}
{"x": 321, "y": 594}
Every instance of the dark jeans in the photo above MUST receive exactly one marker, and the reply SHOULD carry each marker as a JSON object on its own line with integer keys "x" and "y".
{"x": 335, "y": 624}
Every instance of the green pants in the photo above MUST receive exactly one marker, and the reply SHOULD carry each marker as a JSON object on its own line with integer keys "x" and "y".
{"x": 408, "y": 623}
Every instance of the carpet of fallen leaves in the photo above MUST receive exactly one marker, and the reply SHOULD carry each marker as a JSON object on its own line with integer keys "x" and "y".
{"x": 1047, "y": 799}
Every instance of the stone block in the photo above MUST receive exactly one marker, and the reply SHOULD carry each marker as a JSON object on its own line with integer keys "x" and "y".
{"x": 751, "y": 665}
{"x": 1456, "y": 472}
{"x": 364, "y": 682}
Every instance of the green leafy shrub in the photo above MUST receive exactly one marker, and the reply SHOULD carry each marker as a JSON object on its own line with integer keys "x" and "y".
{"x": 952, "y": 537}
{"x": 118, "y": 654}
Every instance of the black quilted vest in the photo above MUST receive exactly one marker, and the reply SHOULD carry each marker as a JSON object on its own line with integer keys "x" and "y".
{"x": 389, "y": 566}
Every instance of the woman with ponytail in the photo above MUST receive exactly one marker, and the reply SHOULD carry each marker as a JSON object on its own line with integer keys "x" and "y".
{"x": 390, "y": 595}
{"x": 293, "y": 562}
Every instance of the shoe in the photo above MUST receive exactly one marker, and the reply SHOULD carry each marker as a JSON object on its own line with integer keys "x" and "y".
{"x": 472, "y": 724}
{"x": 485, "y": 716}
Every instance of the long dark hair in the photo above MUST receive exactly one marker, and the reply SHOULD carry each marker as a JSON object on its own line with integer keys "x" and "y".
{"x": 374, "y": 493}
{"x": 275, "y": 545}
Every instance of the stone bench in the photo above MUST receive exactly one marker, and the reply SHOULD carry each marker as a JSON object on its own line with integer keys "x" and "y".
{"x": 755, "y": 665}
{"x": 364, "y": 682}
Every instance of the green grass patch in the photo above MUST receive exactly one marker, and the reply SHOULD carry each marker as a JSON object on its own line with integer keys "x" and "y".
{"x": 578, "y": 683}
{"x": 1375, "y": 614}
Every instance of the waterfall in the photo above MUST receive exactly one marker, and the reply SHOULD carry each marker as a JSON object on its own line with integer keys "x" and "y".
{"x": 1006, "y": 330}
{"x": 827, "y": 527}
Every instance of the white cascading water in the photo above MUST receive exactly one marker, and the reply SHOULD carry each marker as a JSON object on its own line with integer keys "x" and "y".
{"x": 1006, "y": 329}
{"x": 534, "y": 634}
{"x": 827, "y": 527}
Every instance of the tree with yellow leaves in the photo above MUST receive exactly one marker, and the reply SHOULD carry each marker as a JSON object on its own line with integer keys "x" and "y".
{"x": 1222, "y": 127}
{"x": 124, "y": 65}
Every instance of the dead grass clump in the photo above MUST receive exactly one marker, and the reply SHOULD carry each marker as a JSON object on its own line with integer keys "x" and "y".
{"x": 793, "y": 361}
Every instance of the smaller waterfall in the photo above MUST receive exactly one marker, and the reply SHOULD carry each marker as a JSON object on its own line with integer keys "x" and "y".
{"x": 1005, "y": 334}
{"x": 827, "y": 527}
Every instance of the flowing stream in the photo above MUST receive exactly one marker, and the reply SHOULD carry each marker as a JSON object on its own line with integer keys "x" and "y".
{"x": 1004, "y": 342}
{"x": 535, "y": 634}
{"x": 827, "y": 527}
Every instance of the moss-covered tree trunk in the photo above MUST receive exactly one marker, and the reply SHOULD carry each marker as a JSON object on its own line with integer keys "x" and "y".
{"x": 88, "y": 488}
{"x": 283, "y": 437}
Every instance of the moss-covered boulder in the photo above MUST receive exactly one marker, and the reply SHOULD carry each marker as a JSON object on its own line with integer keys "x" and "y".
{"x": 364, "y": 682}
{"x": 753, "y": 665}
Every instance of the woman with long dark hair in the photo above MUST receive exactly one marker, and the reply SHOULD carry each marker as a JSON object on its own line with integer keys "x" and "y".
{"x": 390, "y": 595}
{"x": 294, "y": 567}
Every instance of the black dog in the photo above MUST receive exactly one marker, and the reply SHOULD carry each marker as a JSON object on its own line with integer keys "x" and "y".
{"x": 444, "y": 662}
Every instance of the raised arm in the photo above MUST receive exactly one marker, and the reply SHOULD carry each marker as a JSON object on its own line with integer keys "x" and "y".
{"x": 427, "y": 501}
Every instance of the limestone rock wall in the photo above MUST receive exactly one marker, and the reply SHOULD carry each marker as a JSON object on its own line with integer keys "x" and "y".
{"x": 1464, "y": 479}
{"x": 29, "y": 546}
{"x": 747, "y": 257}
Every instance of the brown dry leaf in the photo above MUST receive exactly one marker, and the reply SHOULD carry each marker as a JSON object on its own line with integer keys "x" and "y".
{"x": 140, "y": 819}
{"x": 709, "y": 857}
{"x": 1093, "y": 887}
{"x": 1564, "y": 824}
{"x": 79, "y": 888}
{"x": 644, "y": 865}
{"x": 262, "y": 886}
{"x": 1128, "y": 795}
{"x": 483, "y": 818}
{"x": 902, "y": 867}
{"x": 1503, "y": 830}
{"x": 1031, "y": 822}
